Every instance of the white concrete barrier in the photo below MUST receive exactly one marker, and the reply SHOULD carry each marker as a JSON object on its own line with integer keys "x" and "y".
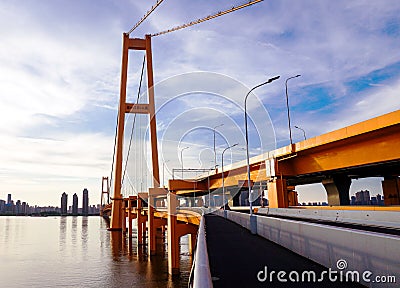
{"x": 388, "y": 219}
{"x": 326, "y": 245}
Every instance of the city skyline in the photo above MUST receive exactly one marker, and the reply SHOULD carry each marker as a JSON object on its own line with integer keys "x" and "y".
{"x": 60, "y": 94}
{"x": 63, "y": 208}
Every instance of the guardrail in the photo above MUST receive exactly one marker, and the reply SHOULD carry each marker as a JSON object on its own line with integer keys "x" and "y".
{"x": 200, "y": 276}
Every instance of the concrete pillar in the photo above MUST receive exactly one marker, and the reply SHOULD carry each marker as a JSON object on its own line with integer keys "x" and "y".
{"x": 130, "y": 217}
{"x": 152, "y": 244}
{"x": 236, "y": 199}
{"x": 140, "y": 220}
{"x": 191, "y": 201}
{"x": 244, "y": 197}
{"x": 200, "y": 202}
{"x": 173, "y": 240}
{"x": 123, "y": 215}
{"x": 292, "y": 196}
{"x": 277, "y": 193}
{"x": 391, "y": 190}
{"x": 337, "y": 188}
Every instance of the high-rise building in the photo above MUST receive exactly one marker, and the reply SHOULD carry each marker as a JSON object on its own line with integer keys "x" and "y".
{"x": 64, "y": 200}
{"x": 363, "y": 198}
{"x": 85, "y": 202}
{"x": 18, "y": 207}
{"x": 379, "y": 199}
{"x": 9, "y": 199}
{"x": 75, "y": 205}
{"x": 23, "y": 208}
{"x": 2, "y": 206}
{"x": 353, "y": 200}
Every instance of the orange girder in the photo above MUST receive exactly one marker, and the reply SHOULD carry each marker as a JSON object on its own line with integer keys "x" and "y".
{"x": 375, "y": 141}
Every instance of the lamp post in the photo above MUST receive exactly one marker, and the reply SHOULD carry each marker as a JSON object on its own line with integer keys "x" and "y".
{"x": 247, "y": 135}
{"x": 223, "y": 183}
{"x": 208, "y": 185}
{"x": 304, "y": 132}
{"x": 187, "y": 147}
{"x": 287, "y": 106}
{"x": 163, "y": 169}
{"x": 215, "y": 153}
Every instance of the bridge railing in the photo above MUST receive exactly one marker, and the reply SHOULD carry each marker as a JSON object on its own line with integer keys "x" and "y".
{"x": 200, "y": 275}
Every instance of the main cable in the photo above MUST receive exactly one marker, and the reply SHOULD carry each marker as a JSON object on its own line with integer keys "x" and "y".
{"x": 145, "y": 16}
{"x": 115, "y": 145}
{"x": 209, "y": 17}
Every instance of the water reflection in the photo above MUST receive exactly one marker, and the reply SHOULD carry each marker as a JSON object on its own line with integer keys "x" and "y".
{"x": 84, "y": 235}
{"x": 80, "y": 252}
{"x": 63, "y": 233}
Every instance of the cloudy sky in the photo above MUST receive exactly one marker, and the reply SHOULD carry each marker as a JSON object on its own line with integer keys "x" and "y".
{"x": 60, "y": 70}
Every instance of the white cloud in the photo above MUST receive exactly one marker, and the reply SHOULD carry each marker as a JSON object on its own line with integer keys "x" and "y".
{"x": 57, "y": 59}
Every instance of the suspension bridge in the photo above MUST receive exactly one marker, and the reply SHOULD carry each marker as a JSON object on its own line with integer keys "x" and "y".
{"x": 366, "y": 149}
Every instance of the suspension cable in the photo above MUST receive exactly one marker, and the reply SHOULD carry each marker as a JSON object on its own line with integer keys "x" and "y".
{"x": 134, "y": 120}
{"x": 145, "y": 16}
{"x": 209, "y": 17}
{"x": 115, "y": 145}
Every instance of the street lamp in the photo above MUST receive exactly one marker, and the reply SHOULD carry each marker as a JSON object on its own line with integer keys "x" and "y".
{"x": 304, "y": 132}
{"x": 287, "y": 105}
{"x": 247, "y": 135}
{"x": 163, "y": 169}
{"x": 187, "y": 147}
{"x": 215, "y": 153}
{"x": 208, "y": 185}
{"x": 223, "y": 183}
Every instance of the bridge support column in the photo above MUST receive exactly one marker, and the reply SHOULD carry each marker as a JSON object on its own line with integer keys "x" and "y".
{"x": 130, "y": 218}
{"x": 192, "y": 202}
{"x": 292, "y": 196}
{"x": 152, "y": 244}
{"x": 391, "y": 190}
{"x": 236, "y": 199}
{"x": 153, "y": 223}
{"x": 277, "y": 193}
{"x": 173, "y": 240}
{"x": 337, "y": 189}
{"x": 141, "y": 220}
{"x": 123, "y": 215}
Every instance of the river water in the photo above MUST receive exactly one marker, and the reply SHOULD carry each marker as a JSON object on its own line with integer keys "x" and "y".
{"x": 80, "y": 252}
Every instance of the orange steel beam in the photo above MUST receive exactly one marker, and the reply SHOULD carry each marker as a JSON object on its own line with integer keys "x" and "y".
{"x": 179, "y": 184}
{"x": 374, "y": 147}
{"x": 369, "y": 142}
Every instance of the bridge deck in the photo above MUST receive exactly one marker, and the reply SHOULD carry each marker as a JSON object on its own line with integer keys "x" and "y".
{"x": 236, "y": 256}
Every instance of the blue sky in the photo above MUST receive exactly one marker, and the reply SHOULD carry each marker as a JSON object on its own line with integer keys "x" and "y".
{"x": 60, "y": 68}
